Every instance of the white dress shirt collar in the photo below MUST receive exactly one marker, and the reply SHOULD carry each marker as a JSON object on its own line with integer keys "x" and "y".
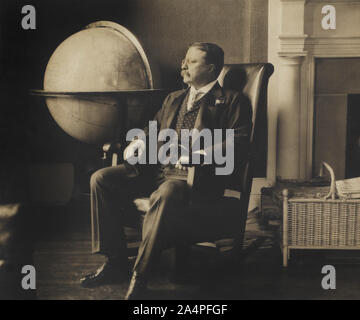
{"x": 203, "y": 90}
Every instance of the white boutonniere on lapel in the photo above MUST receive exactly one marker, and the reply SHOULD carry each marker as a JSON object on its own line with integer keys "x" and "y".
{"x": 219, "y": 101}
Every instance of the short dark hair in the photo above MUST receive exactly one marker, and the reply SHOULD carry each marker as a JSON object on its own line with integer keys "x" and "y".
{"x": 214, "y": 54}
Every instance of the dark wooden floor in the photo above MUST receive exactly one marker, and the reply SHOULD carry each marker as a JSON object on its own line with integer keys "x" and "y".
{"x": 62, "y": 255}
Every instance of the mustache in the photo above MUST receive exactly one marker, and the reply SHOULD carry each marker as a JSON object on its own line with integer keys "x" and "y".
{"x": 184, "y": 72}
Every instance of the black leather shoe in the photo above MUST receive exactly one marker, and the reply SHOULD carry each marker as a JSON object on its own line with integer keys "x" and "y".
{"x": 137, "y": 287}
{"x": 108, "y": 273}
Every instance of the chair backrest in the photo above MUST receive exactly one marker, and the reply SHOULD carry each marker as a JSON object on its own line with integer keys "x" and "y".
{"x": 252, "y": 80}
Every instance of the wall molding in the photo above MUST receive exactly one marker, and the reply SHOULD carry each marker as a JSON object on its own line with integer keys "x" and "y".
{"x": 296, "y": 46}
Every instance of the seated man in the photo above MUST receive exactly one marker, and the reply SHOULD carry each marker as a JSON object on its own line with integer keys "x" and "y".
{"x": 204, "y": 104}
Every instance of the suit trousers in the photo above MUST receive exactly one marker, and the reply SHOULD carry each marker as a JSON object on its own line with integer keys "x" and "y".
{"x": 113, "y": 190}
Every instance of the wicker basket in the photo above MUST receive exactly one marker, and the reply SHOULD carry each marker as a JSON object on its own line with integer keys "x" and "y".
{"x": 320, "y": 223}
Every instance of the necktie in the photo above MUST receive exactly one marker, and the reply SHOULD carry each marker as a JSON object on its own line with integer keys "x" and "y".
{"x": 192, "y": 99}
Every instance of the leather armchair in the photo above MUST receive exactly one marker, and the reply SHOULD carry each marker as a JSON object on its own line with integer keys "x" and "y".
{"x": 252, "y": 81}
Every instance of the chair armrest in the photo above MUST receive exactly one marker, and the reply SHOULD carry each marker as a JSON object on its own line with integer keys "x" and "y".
{"x": 112, "y": 147}
{"x": 112, "y": 150}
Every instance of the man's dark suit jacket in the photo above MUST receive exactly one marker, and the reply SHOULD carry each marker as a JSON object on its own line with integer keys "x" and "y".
{"x": 219, "y": 109}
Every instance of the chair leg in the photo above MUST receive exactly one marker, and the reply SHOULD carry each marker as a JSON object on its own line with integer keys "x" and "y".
{"x": 285, "y": 256}
{"x": 238, "y": 250}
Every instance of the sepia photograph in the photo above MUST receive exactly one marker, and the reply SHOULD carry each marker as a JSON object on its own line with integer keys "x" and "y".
{"x": 180, "y": 150}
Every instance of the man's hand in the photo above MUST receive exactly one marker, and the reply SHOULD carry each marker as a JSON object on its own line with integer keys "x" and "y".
{"x": 138, "y": 146}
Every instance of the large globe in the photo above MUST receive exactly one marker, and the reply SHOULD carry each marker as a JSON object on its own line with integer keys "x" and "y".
{"x": 87, "y": 74}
